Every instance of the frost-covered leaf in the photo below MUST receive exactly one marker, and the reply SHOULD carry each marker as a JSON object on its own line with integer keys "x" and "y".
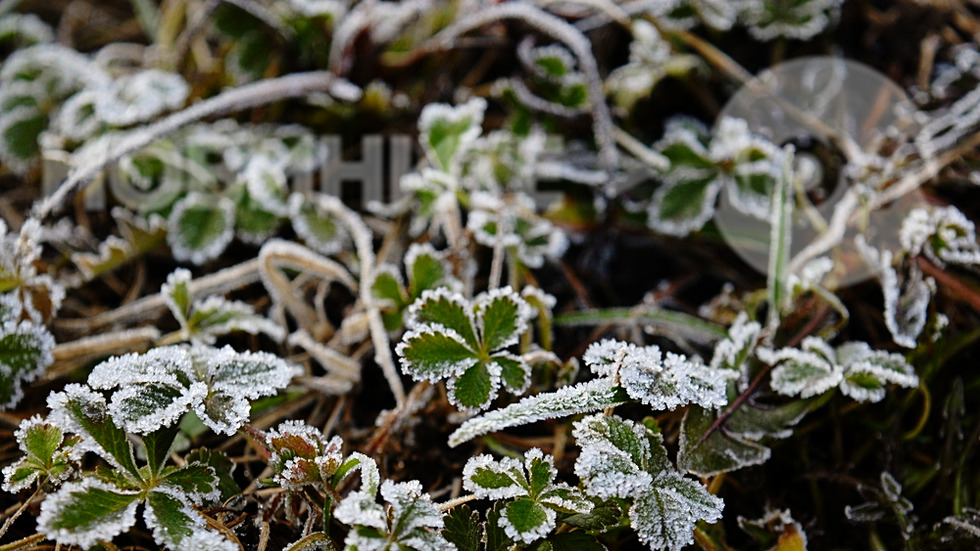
{"x": 662, "y": 381}
{"x": 718, "y": 14}
{"x": 906, "y": 301}
{"x": 214, "y": 316}
{"x": 448, "y": 133}
{"x": 733, "y": 352}
{"x": 862, "y": 373}
{"x": 176, "y": 525}
{"x": 314, "y": 224}
{"x": 410, "y": 520}
{"x": 158, "y": 387}
{"x": 803, "y": 372}
{"x": 794, "y": 19}
{"x": 463, "y": 341}
{"x": 536, "y": 497}
{"x": 200, "y": 227}
{"x": 24, "y": 29}
{"x": 195, "y": 481}
{"x": 81, "y": 513}
{"x": 79, "y": 410}
{"x": 650, "y": 60}
{"x": 48, "y": 456}
{"x": 25, "y": 351}
{"x": 623, "y": 459}
{"x": 223, "y": 468}
{"x": 426, "y": 269}
{"x": 138, "y": 236}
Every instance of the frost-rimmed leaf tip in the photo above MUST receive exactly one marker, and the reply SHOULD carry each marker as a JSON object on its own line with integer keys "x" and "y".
{"x": 410, "y": 521}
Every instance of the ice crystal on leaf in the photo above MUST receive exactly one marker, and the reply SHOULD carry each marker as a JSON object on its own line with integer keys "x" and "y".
{"x": 49, "y": 456}
{"x": 464, "y": 342}
{"x": 733, "y": 352}
{"x": 204, "y": 320}
{"x": 534, "y": 496}
{"x": 155, "y": 389}
{"x": 943, "y": 235}
{"x": 449, "y": 133}
{"x": 140, "y": 96}
{"x": 628, "y": 461}
{"x": 38, "y": 295}
{"x": 662, "y": 381}
{"x": 409, "y": 521}
{"x": 816, "y": 367}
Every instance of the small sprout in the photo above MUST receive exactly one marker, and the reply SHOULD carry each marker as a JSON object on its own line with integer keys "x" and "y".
{"x": 301, "y": 456}
{"x": 626, "y": 460}
{"x": 409, "y": 521}
{"x": 49, "y": 456}
{"x": 205, "y": 320}
{"x": 426, "y": 268}
{"x": 651, "y": 59}
{"x": 464, "y": 342}
{"x": 534, "y": 496}
{"x": 513, "y": 222}
{"x": 449, "y": 133}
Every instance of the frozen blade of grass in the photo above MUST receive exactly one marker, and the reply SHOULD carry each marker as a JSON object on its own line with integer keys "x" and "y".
{"x": 237, "y": 99}
{"x": 691, "y": 327}
{"x": 779, "y": 241}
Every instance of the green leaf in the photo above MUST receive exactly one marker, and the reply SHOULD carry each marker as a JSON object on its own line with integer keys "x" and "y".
{"x": 158, "y": 444}
{"x": 448, "y": 310}
{"x": 172, "y": 523}
{"x": 525, "y": 520}
{"x": 447, "y": 133}
{"x": 497, "y": 539}
{"x": 222, "y": 466}
{"x": 315, "y": 225}
{"x": 501, "y": 319}
{"x": 664, "y": 517}
{"x": 19, "y": 131}
{"x": 200, "y": 227}
{"x": 463, "y": 528}
{"x": 81, "y": 513}
{"x": 434, "y": 356}
{"x": 47, "y": 454}
{"x": 684, "y": 206}
{"x": 25, "y": 352}
{"x": 473, "y": 388}
{"x": 426, "y": 270}
{"x": 87, "y": 412}
{"x": 599, "y": 519}
{"x": 195, "y": 480}
{"x": 514, "y": 372}
{"x": 722, "y": 451}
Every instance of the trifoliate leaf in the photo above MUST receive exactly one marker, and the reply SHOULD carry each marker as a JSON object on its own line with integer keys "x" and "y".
{"x": 794, "y": 19}
{"x": 301, "y": 455}
{"x": 462, "y": 341}
{"x": 410, "y": 521}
